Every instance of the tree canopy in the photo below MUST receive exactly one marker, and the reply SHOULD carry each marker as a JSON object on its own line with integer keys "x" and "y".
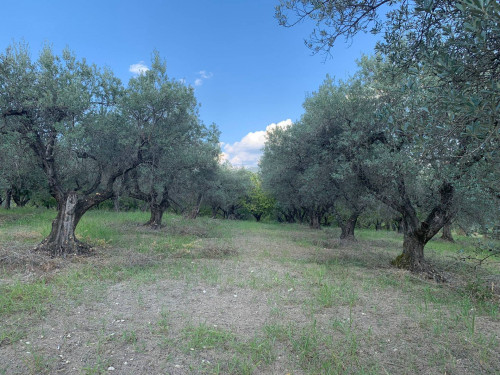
{"x": 424, "y": 138}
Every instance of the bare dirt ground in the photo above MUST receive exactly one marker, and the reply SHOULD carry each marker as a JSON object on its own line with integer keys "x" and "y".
{"x": 280, "y": 302}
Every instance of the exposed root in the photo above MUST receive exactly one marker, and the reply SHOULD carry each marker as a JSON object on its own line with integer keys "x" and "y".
{"x": 404, "y": 261}
{"x": 63, "y": 250}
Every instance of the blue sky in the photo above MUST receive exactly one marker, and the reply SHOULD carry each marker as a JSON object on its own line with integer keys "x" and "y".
{"x": 248, "y": 72}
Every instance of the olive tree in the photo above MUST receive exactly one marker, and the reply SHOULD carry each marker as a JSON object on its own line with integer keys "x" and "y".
{"x": 411, "y": 158}
{"x": 436, "y": 125}
{"x": 179, "y": 148}
{"x": 228, "y": 191}
{"x": 21, "y": 178}
{"x": 303, "y": 165}
{"x": 65, "y": 111}
{"x": 258, "y": 202}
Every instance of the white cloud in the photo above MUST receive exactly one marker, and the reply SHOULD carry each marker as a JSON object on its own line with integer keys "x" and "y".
{"x": 139, "y": 68}
{"x": 247, "y": 152}
{"x": 203, "y": 75}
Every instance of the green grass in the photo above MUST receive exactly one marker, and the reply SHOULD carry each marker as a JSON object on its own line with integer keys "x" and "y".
{"x": 25, "y": 297}
{"x": 204, "y": 336}
{"x": 332, "y": 307}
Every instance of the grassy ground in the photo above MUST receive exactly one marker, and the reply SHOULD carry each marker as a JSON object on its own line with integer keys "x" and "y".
{"x": 225, "y": 297}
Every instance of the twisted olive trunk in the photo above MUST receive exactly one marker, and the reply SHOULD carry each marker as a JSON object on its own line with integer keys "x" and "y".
{"x": 62, "y": 239}
{"x": 347, "y": 227}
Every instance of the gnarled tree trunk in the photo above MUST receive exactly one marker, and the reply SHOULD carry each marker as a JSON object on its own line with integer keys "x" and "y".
{"x": 347, "y": 227}
{"x": 417, "y": 233}
{"x": 157, "y": 211}
{"x": 62, "y": 239}
{"x": 447, "y": 233}
{"x": 412, "y": 257}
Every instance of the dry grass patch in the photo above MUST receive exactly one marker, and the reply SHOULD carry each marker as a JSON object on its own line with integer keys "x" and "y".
{"x": 212, "y": 248}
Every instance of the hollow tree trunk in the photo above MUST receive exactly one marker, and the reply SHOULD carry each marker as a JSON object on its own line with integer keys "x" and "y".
{"x": 347, "y": 227}
{"x": 447, "y": 233}
{"x": 62, "y": 239}
{"x": 8, "y": 197}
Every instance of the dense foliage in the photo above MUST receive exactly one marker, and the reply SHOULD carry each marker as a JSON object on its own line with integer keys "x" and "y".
{"x": 79, "y": 127}
{"x": 424, "y": 135}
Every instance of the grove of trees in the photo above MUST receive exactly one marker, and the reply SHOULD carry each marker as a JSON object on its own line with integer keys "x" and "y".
{"x": 73, "y": 129}
{"x": 413, "y": 135}
{"x": 417, "y": 128}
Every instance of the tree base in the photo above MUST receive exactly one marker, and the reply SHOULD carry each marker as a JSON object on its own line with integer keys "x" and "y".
{"x": 63, "y": 250}
{"x": 447, "y": 239}
{"x": 404, "y": 261}
{"x": 349, "y": 238}
{"x": 153, "y": 225}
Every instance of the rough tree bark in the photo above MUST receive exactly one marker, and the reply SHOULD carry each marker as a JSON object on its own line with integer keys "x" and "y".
{"x": 70, "y": 208}
{"x": 348, "y": 226}
{"x": 62, "y": 239}
{"x": 447, "y": 236}
{"x": 72, "y": 203}
{"x": 157, "y": 210}
{"x": 196, "y": 209}
{"x": 8, "y": 197}
{"x": 157, "y": 203}
{"x": 417, "y": 233}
